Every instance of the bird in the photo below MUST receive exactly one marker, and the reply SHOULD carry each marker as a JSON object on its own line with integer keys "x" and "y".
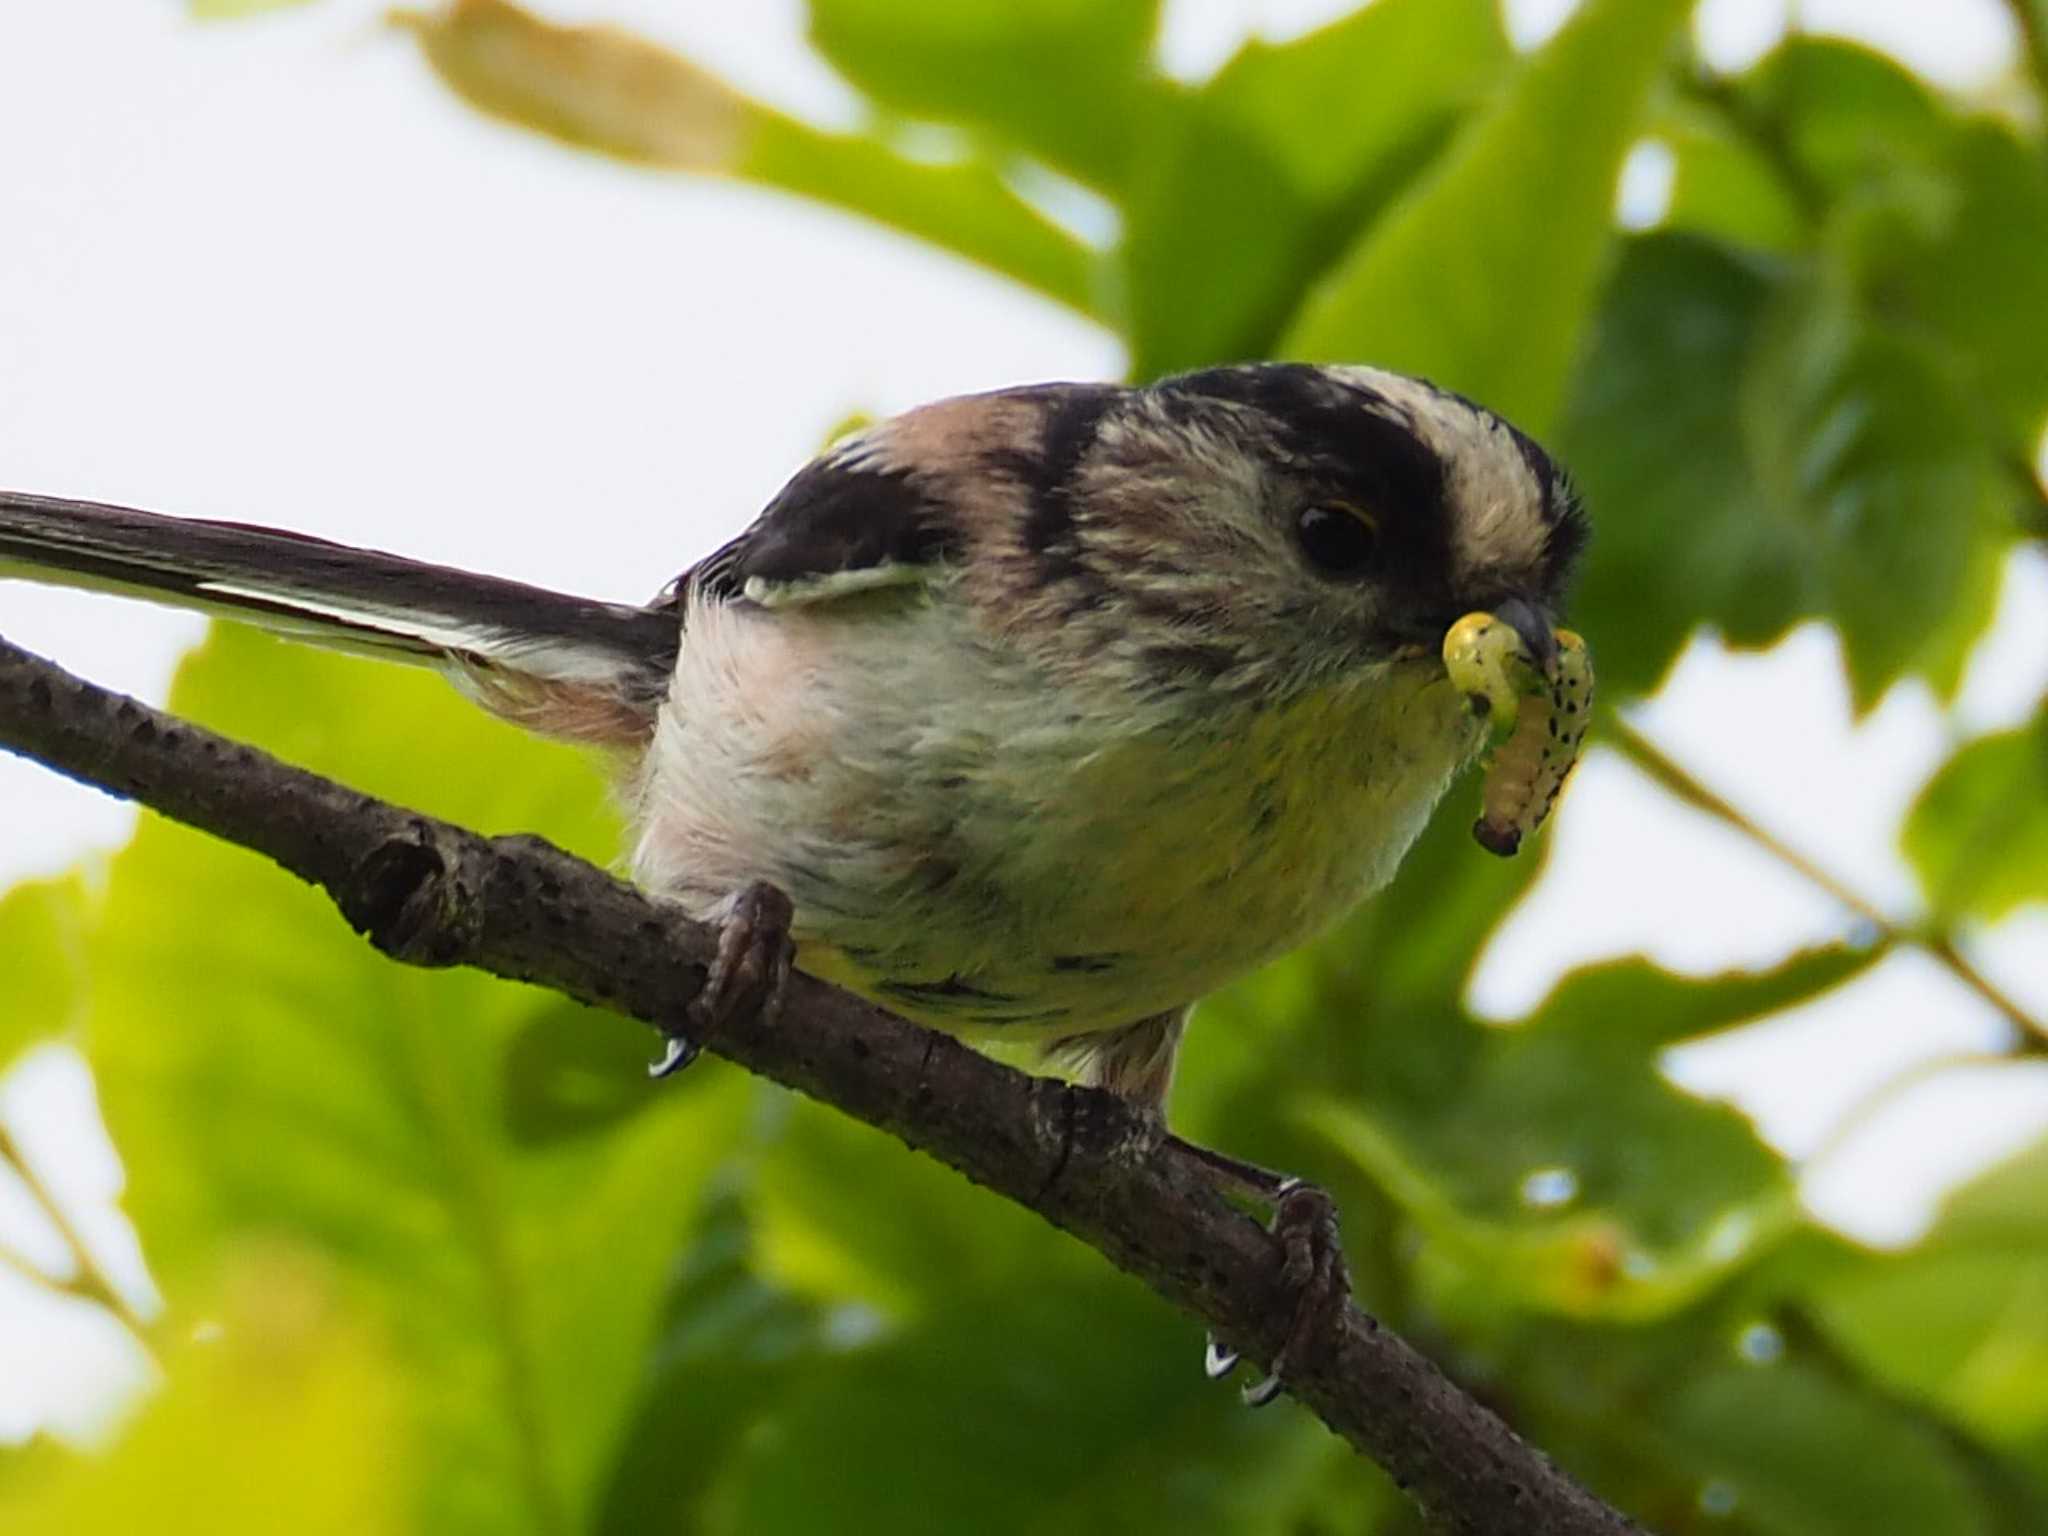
{"x": 1049, "y": 710}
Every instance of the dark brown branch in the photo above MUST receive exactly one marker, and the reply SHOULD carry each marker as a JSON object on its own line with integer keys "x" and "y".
{"x": 432, "y": 894}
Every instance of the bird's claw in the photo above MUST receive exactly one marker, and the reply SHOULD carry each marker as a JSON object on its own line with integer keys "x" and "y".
{"x": 677, "y": 1052}
{"x": 750, "y": 971}
{"x": 1218, "y": 1361}
{"x": 1311, "y": 1266}
{"x": 1261, "y": 1392}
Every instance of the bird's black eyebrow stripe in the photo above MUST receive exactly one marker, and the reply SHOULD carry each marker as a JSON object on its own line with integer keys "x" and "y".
{"x": 1379, "y": 461}
{"x": 1344, "y": 432}
{"x": 1346, "y": 440}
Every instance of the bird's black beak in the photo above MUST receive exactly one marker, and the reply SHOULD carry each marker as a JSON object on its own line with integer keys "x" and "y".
{"x": 1532, "y": 624}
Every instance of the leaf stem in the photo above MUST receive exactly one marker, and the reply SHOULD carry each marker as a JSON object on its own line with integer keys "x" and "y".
{"x": 90, "y": 1281}
{"x": 1678, "y": 780}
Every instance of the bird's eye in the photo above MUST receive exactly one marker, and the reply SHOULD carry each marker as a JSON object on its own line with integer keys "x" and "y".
{"x": 1339, "y": 540}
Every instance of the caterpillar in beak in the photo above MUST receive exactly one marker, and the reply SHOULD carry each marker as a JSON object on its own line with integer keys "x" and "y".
{"x": 1536, "y": 718}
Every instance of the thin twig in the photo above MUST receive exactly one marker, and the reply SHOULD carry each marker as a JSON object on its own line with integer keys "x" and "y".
{"x": 429, "y": 893}
{"x": 1868, "y": 1105}
{"x": 88, "y": 1281}
{"x": 1679, "y": 781}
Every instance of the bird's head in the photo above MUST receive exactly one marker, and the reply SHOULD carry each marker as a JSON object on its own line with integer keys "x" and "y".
{"x": 1261, "y": 529}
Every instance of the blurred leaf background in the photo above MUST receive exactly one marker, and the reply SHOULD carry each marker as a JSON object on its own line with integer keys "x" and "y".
{"x": 429, "y": 1255}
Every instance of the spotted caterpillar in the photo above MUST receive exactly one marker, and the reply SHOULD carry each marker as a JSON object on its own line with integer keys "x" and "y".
{"x": 1536, "y": 721}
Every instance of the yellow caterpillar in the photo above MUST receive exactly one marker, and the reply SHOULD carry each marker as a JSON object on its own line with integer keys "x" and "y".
{"x": 1536, "y": 720}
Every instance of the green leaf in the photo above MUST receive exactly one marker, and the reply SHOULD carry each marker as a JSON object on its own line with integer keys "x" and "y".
{"x": 269, "y": 1077}
{"x": 1845, "y": 116}
{"x": 1863, "y": 438}
{"x": 1552, "y": 1165}
{"x": 289, "y": 1418}
{"x": 1968, "y": 205}
{"x": 1104, "y": 1425}
{"x": 852, "y": 1318}
{"x": 1655, "y": 441}
{"x": 1484, "y": 275}
{"x": 1978, "y": 834}
{"x": 1258, "y": 181}
{"x": 1725, "y": 186}
{"x": 1796, "y": 1451}
{"x": 1807, "y": 458}
{"x": 570, "y": 1070}
{"x": 731, "y": 1351}
{"x": 1977, "y": 276}
{"x": 601, "y": 88}
{"x": 845, "y": 1213}
{"x": 1738, "y": 1415}
{"x": 1960, "y": 1320}
{"x": 1065, "y": 80}
{"x": 42, "y": 936}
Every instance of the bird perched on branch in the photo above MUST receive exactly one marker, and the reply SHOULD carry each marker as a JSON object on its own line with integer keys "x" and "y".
{"x": 1048, "y": 710}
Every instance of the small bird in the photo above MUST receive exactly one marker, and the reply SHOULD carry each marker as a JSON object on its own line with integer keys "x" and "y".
{"x": 1050, "y": 710}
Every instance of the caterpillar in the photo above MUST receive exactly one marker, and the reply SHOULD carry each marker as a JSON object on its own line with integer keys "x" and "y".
{"x": 1536, "y": 721}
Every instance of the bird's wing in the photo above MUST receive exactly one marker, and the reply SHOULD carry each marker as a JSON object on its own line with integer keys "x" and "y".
{"x": 845, "y": 524}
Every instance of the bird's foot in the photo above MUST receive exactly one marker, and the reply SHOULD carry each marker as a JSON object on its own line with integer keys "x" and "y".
{"x": 750, "y": 972}
{"x": 1304, "y": 1224}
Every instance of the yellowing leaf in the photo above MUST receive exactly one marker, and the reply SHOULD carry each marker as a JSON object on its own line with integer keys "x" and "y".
{"x": 596, "y": 87}
{"x": 602, "y": 88}
{"x": 235, "y": 10}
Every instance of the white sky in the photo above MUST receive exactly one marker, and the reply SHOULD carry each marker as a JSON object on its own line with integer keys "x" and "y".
{"x": 270, "y": 271}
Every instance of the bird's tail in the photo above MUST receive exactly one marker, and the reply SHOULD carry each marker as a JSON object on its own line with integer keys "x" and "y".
{"x": 568, "y": 666}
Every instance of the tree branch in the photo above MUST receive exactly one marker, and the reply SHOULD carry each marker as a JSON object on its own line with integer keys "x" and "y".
{"x": 2031, "y": 1034}
{"x": 432, "y": 894}
{"x": 88, "y": 1280}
